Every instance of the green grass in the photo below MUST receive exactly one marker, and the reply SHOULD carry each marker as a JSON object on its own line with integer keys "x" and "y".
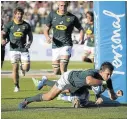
{"x": 52, "y": 109}
{"x": 37, "y": 65}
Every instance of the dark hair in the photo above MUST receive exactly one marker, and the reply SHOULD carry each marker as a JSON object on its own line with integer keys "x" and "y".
{"x": 91, "y": 14}
{"x": 19, "y": 9}
{"x": 107, "y": 65}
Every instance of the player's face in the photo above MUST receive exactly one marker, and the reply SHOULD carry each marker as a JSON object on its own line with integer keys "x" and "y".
{"x": 106, "y": 74}
{"x": 89, "y": 18}
{"x": 18, "y": 16}
{"x": 62, "y": 7}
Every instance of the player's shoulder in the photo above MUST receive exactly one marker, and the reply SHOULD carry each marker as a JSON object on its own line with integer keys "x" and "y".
{"x": 53, "y": 12}
{"x": 93, "y": 70}
{"x": 70, "y": 14}
{"x": 9, "y": 24}
{"x": 24, "y": 22}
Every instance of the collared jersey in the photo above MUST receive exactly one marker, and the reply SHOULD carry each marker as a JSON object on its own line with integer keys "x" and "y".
{"x": 63, "y": 26}
{"x": 17, "y": 35}
{"x": 78, "y": 78}
{"x": 89, "y": 29}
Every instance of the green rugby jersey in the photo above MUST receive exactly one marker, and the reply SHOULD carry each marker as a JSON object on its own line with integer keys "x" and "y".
{"x": 17, "y": 35}
{"x": 78, "y": 78}
{"x": 89, "y": 29}
{"x": 63, "y": 26}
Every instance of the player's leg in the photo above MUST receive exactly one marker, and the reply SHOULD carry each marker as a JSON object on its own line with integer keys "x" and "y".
{"x": 64, "y": 58}
{"x": 2, "y": 55}
{"x": 56, "y": 61}
{"x": 44, "y": 81}
{"x": 25, "y": 62}
{"x": 15, "y": 67}
{"x": 56, "y": 67}
{"x": 41, "y": 97}
{"x": 60, "y": 85}
{"x": 64, "y": 63}
{"x": 85, "y": 57}
{"x": 79, "y": 98}
{"x": 86, "y": 53}
{"x": 91, "y": 55}
{"x": 65, "y": 97}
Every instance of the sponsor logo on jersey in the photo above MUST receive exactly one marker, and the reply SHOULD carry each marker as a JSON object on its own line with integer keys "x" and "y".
{"x": 54, "y": 19}
{"x": 88, "y": 31}
{"x": 61, "y": 22}
{"x": 18, "y": 34}
{"x": 18, "y": 29}
{"x": 68, "y": 19}
{"x": 61, "y": 27}
{"x": 12, "y": 27}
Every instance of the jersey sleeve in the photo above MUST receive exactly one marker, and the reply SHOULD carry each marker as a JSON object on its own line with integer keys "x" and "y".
{"x": 7, "y": 27}
{"x": 29, "y": 28}
{"x": 6, "y": 30}
{"x": 77, "y": 24}
{"x": 109, "y": 84}
{"x": 48, "y": 21}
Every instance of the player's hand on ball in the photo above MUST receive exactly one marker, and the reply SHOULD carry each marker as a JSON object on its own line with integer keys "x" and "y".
{"x": 99, "y": 101}
{"x": 119, "y": 93}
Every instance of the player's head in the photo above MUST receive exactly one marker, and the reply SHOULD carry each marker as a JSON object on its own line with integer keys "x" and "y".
{"x": 18, "y": 13}
{"x": 90, "y": 16}
{"x": 106, "y": 70}
{"x": 62, "y": 6}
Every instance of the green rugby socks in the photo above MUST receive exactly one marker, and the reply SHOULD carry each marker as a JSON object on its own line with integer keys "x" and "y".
{"x": 50, "y": 83}
{"x": 36, "y": 98}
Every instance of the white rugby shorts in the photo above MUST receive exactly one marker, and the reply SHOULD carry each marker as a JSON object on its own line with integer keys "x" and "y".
{"x": 17, "y": 56}
{"x": 58, "y": 52}
{"x": 64, "y": 84}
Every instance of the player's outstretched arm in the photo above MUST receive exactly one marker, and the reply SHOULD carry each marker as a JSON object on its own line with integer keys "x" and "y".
{"x": 113, "y": 95}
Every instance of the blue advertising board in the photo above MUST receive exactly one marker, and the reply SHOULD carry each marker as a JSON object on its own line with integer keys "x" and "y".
{"x": 110, "y": 28}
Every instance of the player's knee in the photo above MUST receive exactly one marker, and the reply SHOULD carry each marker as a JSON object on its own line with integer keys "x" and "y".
{"x": 56, "y": 68}
{"x": 87, "y": 60}
{"x": 26, "y": 67}
{"x": 64, "y": 64}
{"x": 15, "y": 67}
{"x": 64, "y": 61}
{"x": 49, "y": 97}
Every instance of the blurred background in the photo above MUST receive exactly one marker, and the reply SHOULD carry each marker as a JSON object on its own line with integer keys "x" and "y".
{"x": 35, "y": 14}
{"x": 37, "y": 11}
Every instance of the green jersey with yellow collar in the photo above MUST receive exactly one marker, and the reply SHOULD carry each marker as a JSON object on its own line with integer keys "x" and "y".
{"x": 17, "y": 35}
{"x": 63, "y": 26}
{"x": 89, "y": 30}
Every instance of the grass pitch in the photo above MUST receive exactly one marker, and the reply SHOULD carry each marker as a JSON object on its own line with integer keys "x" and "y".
{"x": 53, "y": 109}
{"x": 37, "y": 65}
